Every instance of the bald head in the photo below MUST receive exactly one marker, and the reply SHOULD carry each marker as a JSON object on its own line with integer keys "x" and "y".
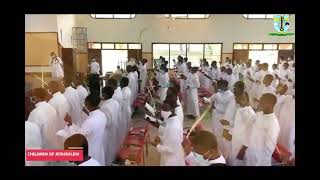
{"x": 204, "y": 140}
{"x": 77, "y": 142}
{"x": 40, "y": 94}
{"x": 267, "y": 103}
{"x": 56, "y": 86}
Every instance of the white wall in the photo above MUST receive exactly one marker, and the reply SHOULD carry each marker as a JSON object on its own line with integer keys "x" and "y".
{"x": 65, "y": 24}
{"x": 41, "y": 23}
{"x": 218, "y": 28}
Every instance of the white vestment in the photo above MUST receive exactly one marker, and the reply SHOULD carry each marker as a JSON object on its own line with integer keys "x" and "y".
{"x": 170, "y": 148}
{"x": 93, "y": 128}
{"x": 45, "y": 116}
{"x": 82, "y": 94}
{"x": 33, "y": 141}
{"x": 192, "y": 95}
{"x": 263, "y": 140}
{"x": 57, "y": 71}
{"x": 133, "y": 86}
{"x": 143, "y": 77}
{"x": 125, "y": 123}
{"x": 90, "y": 162}
{"x": 231, "y": 81}
{"x": 111, "y": 109}
{"x": 241, "y": 132}
{"x": 164, "y": 84}
{"x": 75, "y": 110}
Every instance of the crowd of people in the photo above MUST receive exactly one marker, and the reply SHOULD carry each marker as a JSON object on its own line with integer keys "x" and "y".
{"x": 253, "y": 110}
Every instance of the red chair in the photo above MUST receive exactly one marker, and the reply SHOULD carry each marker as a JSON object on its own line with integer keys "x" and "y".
{"x": 133, "y": 155}
{"x": 138, "y": 136}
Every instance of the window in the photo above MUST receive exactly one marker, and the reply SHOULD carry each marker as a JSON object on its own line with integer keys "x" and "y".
{"x": 112, "y": 16}
{"x": 107, "y": 46}
{"x": 270, "y": 46}
{"x": 240, "y": 46}
{"x": 195, "y": 53}
{"x": 255, "y": 46}
{"x": 121, "y": 46}
{"x": 188, "y": 16}
{"x": 111, "y": 45}
{"x": 160, "y": 50}
{"x": 212, "y": 52}
{"x": 285, "y": 46}
{"x": 94, "y": 45}
{"x": 259, "y": 16}
{"x": 175, "y": 51}
{"x": 134, "y": 46}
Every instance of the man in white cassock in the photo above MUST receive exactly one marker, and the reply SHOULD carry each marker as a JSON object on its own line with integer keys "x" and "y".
{"x": 93, "y": 128}
{"x": 241, "y": 130}
{"x": 275, "y": 73}
{"x": 82, "y": 92}
{"x": 169, "y": 140}
{"x": 206, "y": 82}
{"x": 230, "y": 78}
{"x": 72, "y": 96}
{"x": 126, "y": 112}
{"x": 215, "y": 73}
{"x": 257, "y": 85}
{"x": 221, "y": 100}
{"x": 264, "y": 134}
{"x": 132, "y": 84}
{"x": 163, "y": 83}
{"x": 237, "y": 70}
{"x": 172, "y": 93}
{"x": 227, "y": 121}
{"x": 60, "y": 104}
{"x": 136, "y": 80}
{"x": 182, "y": 70}
{"x": 192, "y": 93}
{"x": 143, "y": 75}
{"x": 247, "y": 75}
{"x": 256, "y": 67}
{"x": 223, "y": 74}
{"x": 45, "y": 117}
{"x": 57, "y": 64}
{"x": 111, "y": 109}
{"x": 267, "y": 86}
{"x": 131, "y": 62}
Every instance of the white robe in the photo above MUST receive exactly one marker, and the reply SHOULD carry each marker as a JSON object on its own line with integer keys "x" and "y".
{"x": 275, "y": 81}
{"x": 236, "y": 71}
{"x": 45, "y": 116}
{"x": 223, "y": 76}
{"x": 221, "y": 101}
{"x": 82, "y": 94}
{"x": 241, "y": 132}
{"x": 56, "y": 64}
{"x": 257, "y": 86}
{"x": 75, "y": 110}
{"x": 192, "y": 95}
{"x": 170, "y": 149}
{"x": 231, "y": 81}
{"x": 33, "y": 141}
{"x": 263, "y": 140}
{"x": 183, "y": 70}
{"x": 267, "y": 89}
{"x": 206, "y": 82}
{"x": 136, "y": 77}
{"x": 164, "y": 84}
{"x": 125, "y": 124}
{"x": 93, "y": 128}
{"x": 225, "y": 145}
{"x": 179, "y": 111}
{"x": 111, "y": 109}
{"x": 215, "y": 73}
{"x": 248, "y": 73}
{"x": 132, "y": 85}
{"x": 143, "y": 77}
{"x": 287, "y": 123}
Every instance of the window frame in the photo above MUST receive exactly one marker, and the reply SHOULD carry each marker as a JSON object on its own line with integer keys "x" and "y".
{"x": 169, "y": 16}
{"x": 134, "y": 15}
{"x": 265, "y": 16}
{"x": 293, "y": 46}
{"x": 203, "y": 56}
{"x": 114, "y": 45}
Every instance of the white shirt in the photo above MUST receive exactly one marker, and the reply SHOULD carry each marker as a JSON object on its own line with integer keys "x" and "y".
{"x": 231, "y": 81}
{"x": 93, "y": 128}
{"x": 33, "y": 141}
{"x": 215, "y": 73}
{"x": 82, "y": 94}
{"x": 90, "y": 162}
{"x": 75, "y": 110}
{"x": 117, "y": 95}
{"x": 94, "y": 68}
{"x": 171, "y": 150}
{"x": 45, "y": 116}
{"x": 219, "y": 160}
{"x": 263, "y": 140}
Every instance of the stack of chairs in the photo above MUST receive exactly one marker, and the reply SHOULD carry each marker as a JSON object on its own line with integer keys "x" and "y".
{"x": 136, "y": 141}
